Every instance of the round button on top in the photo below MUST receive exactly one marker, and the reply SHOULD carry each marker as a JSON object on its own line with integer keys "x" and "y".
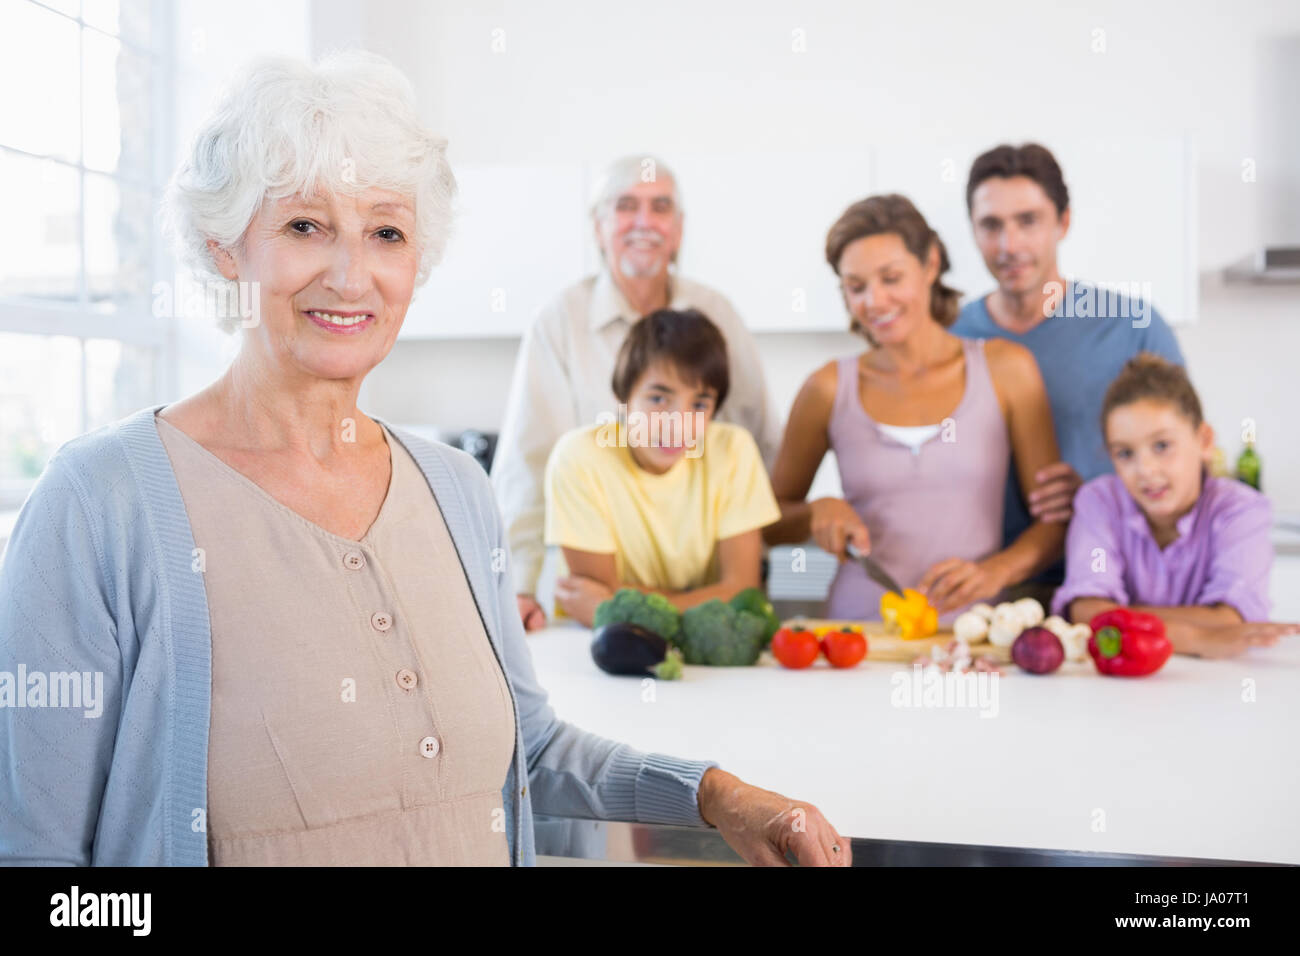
{"x": 354, "y": 560}
{"x": 381, "y": 620}
{"x": 429, "y": 747}
{"x": 406, "y": 679}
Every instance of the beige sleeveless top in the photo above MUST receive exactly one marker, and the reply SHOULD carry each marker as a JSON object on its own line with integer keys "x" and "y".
{"x": 359, "y": 715}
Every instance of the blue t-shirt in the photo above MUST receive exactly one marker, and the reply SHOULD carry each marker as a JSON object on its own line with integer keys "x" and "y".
{"x": 1080, "y": 350}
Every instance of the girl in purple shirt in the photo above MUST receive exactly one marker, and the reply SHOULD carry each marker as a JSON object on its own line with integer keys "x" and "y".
{"x": 1162, "y": 536}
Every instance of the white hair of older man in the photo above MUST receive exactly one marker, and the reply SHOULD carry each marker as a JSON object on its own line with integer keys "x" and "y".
{"x": 622, "y": 174}
{"x": 286, "y": 127}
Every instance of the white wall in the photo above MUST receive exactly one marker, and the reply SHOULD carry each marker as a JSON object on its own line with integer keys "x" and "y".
{"x": 591, "y": 80}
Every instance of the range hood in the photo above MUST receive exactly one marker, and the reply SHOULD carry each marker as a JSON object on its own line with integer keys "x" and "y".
{"x": 1268, "y": 265}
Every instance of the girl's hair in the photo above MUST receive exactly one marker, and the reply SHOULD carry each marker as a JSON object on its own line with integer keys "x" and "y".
{"x": 1148, "y": 376}
{"x": 685, "y": 338}
{"x": 880, "y": 215}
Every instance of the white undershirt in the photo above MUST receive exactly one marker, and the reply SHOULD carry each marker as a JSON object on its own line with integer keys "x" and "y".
{"x": 913, "y": 436}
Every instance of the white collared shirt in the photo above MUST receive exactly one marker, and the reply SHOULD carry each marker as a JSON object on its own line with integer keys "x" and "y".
{"x": 562, "y": 380}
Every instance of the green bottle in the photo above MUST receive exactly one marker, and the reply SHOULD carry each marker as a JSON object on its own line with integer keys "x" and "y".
{"x": 1248, "y": 466}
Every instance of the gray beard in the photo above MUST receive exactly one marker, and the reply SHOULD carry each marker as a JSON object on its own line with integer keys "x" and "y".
{"x": 631, "y": 271}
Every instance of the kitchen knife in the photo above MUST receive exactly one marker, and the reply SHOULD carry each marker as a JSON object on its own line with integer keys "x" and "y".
{"x": 874, "y": 570}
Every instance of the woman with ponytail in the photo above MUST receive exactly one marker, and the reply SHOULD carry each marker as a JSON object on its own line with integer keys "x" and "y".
{"x": 924, "y": 426}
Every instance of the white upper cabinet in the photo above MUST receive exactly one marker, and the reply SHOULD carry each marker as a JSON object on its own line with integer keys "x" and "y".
{"x": 517, "y": 240}
{"x": 1132, "y": 227}
{"x": 756, "y": 225}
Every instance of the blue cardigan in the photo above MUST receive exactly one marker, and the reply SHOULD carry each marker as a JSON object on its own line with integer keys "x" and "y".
{"x": 97, "y": 578}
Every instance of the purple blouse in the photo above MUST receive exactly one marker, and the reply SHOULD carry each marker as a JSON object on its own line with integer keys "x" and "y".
{"x": 1223, "y": 553}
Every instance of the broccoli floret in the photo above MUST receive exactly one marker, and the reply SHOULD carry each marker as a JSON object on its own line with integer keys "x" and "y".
{"x": 717, "y": 634}
{"x": 654, "y": 612}
{"x": 670, "y": 668}
{"x": 700, "y": 624}
{"x": 756, "y": 602}
{"x": 752, "y": 627}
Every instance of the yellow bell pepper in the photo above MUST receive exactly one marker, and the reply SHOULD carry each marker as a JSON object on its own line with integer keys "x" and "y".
{"x": 820, "y": 632}
{"x": 909, "y": 614}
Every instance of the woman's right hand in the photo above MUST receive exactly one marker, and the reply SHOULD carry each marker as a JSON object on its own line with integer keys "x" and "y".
{"x": 835, "y": 524}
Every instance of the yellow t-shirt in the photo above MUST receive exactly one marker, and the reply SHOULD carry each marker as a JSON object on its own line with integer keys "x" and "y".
{"x": 663, "y": 530}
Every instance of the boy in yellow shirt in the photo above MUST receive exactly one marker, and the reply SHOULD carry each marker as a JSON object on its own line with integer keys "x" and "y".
{"x": 659, "y": 497}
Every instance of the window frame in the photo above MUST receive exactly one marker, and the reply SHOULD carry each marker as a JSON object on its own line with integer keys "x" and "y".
{"x": 83, "y": 319}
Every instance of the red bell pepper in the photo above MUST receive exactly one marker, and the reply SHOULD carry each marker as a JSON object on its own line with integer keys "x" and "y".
{"x": 1128, "y": 643}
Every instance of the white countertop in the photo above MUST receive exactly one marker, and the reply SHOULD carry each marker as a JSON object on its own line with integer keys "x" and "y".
{"x": 1178, "y": 764}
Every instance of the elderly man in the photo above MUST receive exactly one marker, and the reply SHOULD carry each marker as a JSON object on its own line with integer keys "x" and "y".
{"x": 562, "y": 376}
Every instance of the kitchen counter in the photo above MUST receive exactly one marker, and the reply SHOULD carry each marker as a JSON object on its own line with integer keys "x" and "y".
{"x": 1179, "y": 764}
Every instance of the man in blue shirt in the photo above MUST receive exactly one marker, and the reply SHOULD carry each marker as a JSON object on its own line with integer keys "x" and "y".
{"x": 1080, "y": 334}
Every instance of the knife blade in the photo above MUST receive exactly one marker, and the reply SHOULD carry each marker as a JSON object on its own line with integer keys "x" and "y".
{"x": 874, "y": 570}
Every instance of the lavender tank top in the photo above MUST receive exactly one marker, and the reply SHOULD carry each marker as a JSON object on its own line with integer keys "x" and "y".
{"x": 943, "y": 500}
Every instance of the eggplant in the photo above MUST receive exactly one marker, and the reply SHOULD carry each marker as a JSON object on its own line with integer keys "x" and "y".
{"x": 628, "y": 649}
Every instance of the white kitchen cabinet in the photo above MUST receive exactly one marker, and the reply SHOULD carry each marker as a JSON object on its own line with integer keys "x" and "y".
{"x": 1284, "y": 588}
{"x": 756, "y": 225}
{"x": 1133, "y": 214}
{"x": 517, "y": 240}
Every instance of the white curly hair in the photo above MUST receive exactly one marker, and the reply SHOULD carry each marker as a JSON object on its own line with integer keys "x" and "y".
{"x": 285, "y": 127}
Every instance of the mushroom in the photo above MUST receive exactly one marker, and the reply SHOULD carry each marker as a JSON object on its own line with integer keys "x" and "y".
{"x": 1057, "y": 625}
{"x": 970, "y": 627}
{"x": 1006, "y": 626}
{"x": 1075, "y": 641}
{"x": 1030, "y": 611}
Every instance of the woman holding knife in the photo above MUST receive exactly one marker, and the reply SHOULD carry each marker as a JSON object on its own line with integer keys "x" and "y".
{"x": 924, "y": 426}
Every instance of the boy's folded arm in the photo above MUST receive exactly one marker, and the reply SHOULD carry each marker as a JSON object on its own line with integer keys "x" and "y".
{"x": 598, "y": 566}
{"x": 739, "y": 557}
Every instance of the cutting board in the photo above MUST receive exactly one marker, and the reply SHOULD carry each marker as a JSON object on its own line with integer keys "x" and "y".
{"x": 883, "y": 646}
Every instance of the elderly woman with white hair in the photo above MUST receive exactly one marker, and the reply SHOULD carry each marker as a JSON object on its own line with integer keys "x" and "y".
{"x": 303, "y": 619}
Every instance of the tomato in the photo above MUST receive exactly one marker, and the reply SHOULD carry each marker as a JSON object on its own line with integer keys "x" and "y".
{"x": 845, "y": 648}
{"x": 794, "y": 647}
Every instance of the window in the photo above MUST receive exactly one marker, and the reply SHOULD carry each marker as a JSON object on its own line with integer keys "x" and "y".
{"x": 84, "y": 136}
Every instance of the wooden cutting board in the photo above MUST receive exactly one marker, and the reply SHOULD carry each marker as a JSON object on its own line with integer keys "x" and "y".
{"x": 883, "y": 646}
